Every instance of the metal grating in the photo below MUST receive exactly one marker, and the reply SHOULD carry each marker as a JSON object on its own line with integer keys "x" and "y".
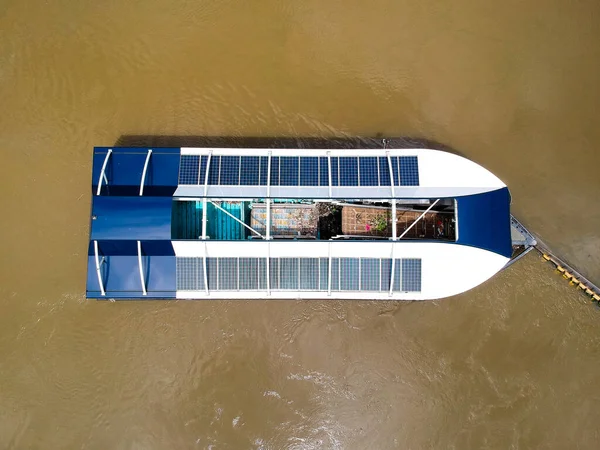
{"x": 309, "y": 274}
{"x": 230, "y": 170}
{"x": 409, "y": 171}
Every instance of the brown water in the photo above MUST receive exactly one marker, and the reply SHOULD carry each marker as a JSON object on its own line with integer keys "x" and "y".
{"x": 512, "y": 364}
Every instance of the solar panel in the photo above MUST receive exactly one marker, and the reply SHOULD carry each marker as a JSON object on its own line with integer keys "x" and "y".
{"x": 411, "y": 275}
{"x": 335, "y": 171}
{"x": 262, "y": 273}
{"x": 250, "y": 170}
{"x": 289, "y": 273}
{"x": 214, "y": 170}
{"x": 275, "y": 171}
{"x": 397, "y": 275}
{"x": 349, "y": 274}
{"x": 309, "y": 274}
{"x": 409, "y": 171}
{"x": 348, "y": 171}
{"x": 309, "y": 171}
{"x": 395, "y": 172}
{"x": 264, "y": 170}
{"x": 323, "y": 273}
{"x": 370, "y": 274}
{"x": 189, "y": 166}
{"x": 323, "y": 172}
{"x": 211, "y": 273}
{"x": 190, "y": 273}
{"x": 230, "y": 170}
{"x": 335, "y": 274}
{"x": 386, "y": 273}
{"x": 368, "y": 171}
{"x": 384, "y": 172}
{"x": 248, "y": 268}
{"x": 274, "y": 273}
{"x": 228, "y": 274}
{"x": 289, "y": 170}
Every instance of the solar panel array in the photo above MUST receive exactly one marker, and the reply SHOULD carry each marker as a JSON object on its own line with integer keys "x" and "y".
{"x": 299, "y": 274}
{"x": 299, "y": 170}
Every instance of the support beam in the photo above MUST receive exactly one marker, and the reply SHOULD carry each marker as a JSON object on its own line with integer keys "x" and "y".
{"x": 142, "y": 280}
{"x": 103, "y": 173}
{"x": 102, "y": 291}
{"x": 143, "y": 180}
{"x": 418, "y": 218}
{"x": 389, "y": 159}
{"x": 204, "y": 204}
{"x": 236, "y": 219}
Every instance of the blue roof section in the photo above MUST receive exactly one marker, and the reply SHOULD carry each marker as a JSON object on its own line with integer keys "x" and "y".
{"x": 125, "y": 166}
{"x": 131, "y": 218}
{"x": 484, "y": 221}
{"x": 121, "y": 274}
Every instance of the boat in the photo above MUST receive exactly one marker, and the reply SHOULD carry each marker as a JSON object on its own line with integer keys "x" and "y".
{"x": 281, "y": 223}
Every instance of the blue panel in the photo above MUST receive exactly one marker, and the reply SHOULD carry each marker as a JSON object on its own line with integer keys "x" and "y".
{"x": 323, "y": 172}
{"x": 309, "y": 171}
{"x": 348, "y": 171}
{"x": 411, "y": 275}
{"x": 289, "y": 171}
{"x": 161, "y": 176}
{"x": 189, "y": 169}
{"x": 335, "y": 171}
{"x": 124, "y": 172}
{"x": 160, "y": 275}
{"x": 370, "y": 273}
{"x": 214, "y": 169}
{"x": 349, "y": 273}
{"x": 230, "y": 170}
{"x": 384, "y": 172}
{"x": 368, "y": 171}
{"x": 484, "y": 221}
{"x": 264, "y": 170}
{"x": 395, "y": 172}
{"x": 122, "y": 275}
{"x": 289, "y": 273}
{"x": 309, "y": 274}
{"x": 409, "y": 171}
{"x": 131, "y": 218}
{"x": 250, "y": 171}
{"x": 275, "y": 171}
